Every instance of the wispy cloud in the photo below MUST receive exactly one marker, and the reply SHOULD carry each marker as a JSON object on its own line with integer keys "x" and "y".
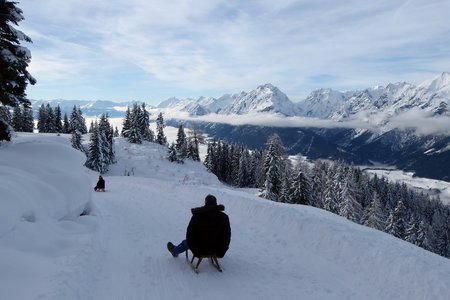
{"x": 212, "y": 47}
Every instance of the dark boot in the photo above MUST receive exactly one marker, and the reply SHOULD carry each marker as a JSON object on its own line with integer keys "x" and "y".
{"x": 171, "y": 248}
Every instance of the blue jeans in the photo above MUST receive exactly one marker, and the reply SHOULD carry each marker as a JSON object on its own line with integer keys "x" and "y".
{"x": 182, "y": 247}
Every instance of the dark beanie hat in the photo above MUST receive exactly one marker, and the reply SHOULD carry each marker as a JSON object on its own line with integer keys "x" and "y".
{"x": 210, "y": 200}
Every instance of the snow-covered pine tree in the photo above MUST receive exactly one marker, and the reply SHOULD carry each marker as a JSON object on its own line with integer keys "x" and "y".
{"x": 235, "y": 155}
{"x": 17, "y": 119}
{"x": 284, "y": 195}
{"x": 66, "y": 124}
{"x": 224, "y": 161}
{"x": 116, "y": 132}
{"x": 58, "y": 120}
{"x": 274, "y": 165}
{"x": 442, "y": 235}
{"x": 422, "y": 236}
{"x": 28, "y": 121}
{"x": 411, "y": 230}
{"x": 160, "y": 136}
{"x": 396, "y": 221}
{"x": 96, "y": 158}
{"x": 172, "y": 153}
{"x": 126, "y": 125}
{"x": 257, "y": 168}
{"x": 106, "y": 139}
{"x": 14, "y": 60}
{"x": 244, "y": 176}
{"x": 81, "y": 121}
{"x": 374, "y": 216}
{"x": 210, "y": 158}
{"x": 42, "y": 119}
{"x": 195, "y": 138}
{"x": 181, "y": 145}
{"x": 50, "y": 119}
{"x": 77, "y": 121}
{"x": 76, "y": 140}
{"x": 300, "y": 192}
{"x": 348, "y": 204}
{"x": 144, "y": 125}
{"x": 331, "y": 187}
{"x": 134, "y": 132}
{"x": 91, "y": 127}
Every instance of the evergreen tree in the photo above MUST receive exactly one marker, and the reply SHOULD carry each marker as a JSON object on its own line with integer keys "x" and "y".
{"x": 91, "y": 127}
{"x": 126, "y": 125}
{"x": 273, "y": 167}
{"x": 14, "y": 60}
{"x": 75, "y": 121}
{"x": 144, "y": 124}
{"x": 28, "y": 121}
{"x": 411, "y": 231}
{"x": 349, "y": 207}
{"x": 284, "y": 195}
{"x": 442, "y": 236}
{"x": 181, "y": 145}
{"x": 57, "y": 121}
{"x": 42, "y": 119}
{"x": 134, "y": 132}
{"x": 300, "y": 192}
{"x": 76, "y": 140}
{"x": 81, "y": 121}
{"x": 195, "y": 138}
{"x": 210, "y": 158}
{"x": 116, "y": 132}
{"x": 95, "y": 158}
{"x": 422, "y": 236}
{"x": 66, "y": 124}
{"x": 172, "y": 153}
{"x": 244, "y": 176}
{"x": 396, "y": 222}
{"x": 160, "y": 136}
{"x": 106, "y": 139}
{"x": 17, "y": 119}
{"x": 50, "y": 119}
{"x": 331, "y": 188}
{"x": 374, "y": 215}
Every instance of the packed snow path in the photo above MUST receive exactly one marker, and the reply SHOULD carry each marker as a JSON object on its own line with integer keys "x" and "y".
{"x": 286, "y": 259}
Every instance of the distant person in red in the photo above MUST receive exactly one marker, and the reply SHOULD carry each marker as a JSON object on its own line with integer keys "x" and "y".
{"x": 100, "y": 184}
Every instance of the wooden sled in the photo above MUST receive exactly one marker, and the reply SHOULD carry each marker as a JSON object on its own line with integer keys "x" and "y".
{"x": 212, "y": 259}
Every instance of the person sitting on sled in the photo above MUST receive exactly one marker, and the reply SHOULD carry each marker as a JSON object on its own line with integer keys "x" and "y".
{"x": 208, "y": 232}
{"x": 100, "y": 184}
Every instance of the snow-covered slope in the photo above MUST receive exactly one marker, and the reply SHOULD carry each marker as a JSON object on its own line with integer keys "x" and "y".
{"x": 278, "y": 251}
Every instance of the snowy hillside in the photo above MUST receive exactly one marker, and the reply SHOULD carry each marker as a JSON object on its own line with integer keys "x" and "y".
{"x": 117, "y": 250}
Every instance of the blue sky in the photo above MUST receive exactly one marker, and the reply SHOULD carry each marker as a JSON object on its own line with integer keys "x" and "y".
{"x": 152, "y": 50}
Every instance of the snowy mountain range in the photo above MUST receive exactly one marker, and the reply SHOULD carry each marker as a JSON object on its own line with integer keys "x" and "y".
{"x": 376, "y": 106}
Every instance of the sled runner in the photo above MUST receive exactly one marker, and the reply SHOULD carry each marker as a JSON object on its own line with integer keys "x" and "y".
{"x": 212, "y": 259}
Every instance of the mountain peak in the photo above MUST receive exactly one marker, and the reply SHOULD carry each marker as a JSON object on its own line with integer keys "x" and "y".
{"x": 268, "y": 86}
{"x": 438, "y": 83}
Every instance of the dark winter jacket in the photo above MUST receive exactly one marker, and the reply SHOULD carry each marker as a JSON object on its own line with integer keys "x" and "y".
{"x": 209, "y": 231}
{"x": 100, "y": 184}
